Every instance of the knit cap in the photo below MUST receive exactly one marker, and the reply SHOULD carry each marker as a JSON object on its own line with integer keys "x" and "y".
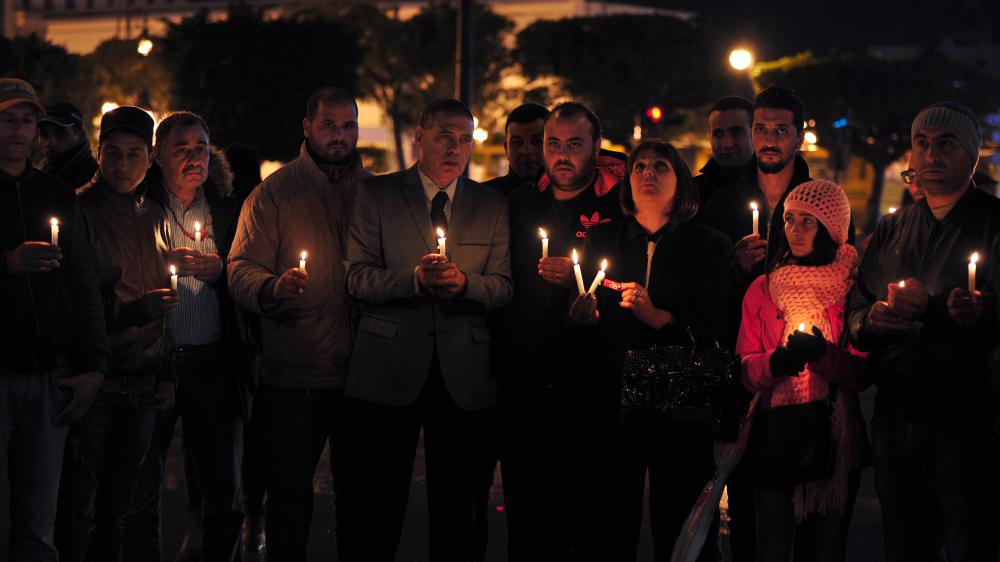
{"x": 827, "y": 202}
{"x": 954, "y": 118}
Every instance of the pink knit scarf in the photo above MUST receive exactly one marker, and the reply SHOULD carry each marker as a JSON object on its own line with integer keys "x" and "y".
{"x": 803, "y": 294}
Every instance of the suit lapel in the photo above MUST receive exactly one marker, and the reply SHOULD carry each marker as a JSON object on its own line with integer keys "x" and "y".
{"x": 413, "y": 191}
{"x": 461, "y": 209}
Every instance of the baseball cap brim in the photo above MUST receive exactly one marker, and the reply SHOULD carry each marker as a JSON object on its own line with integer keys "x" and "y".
{"x": 7, "y": 104}
{"x": 58, "y": 120}
{"x": 128, "y": 129}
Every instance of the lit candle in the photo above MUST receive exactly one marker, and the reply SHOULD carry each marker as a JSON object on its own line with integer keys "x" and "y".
{"x": 892, "y": 210}
{"x": 802, "y": 327}
{"x": 972, "y": 271}
{"x": 756, "y": 218}
{"x": 545, "y": 242}
{"x": 197, "y": 232}
{"x": 54, "y": 223}
{"x": 577, "y": 272}
{"x": 441, "y": 242}
{"x": 902, "y": 284}
{"x": 302, "y": 261}
{"x": 599, "y": 278}
{"x": 173, "y": 278}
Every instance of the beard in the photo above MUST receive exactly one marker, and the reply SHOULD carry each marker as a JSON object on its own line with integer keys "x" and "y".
{"x": 336, "y": 154}
{"x": 578, "y": 181}
{"x": 772, "y": 167}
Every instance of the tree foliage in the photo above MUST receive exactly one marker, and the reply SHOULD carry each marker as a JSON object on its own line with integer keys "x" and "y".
{"x": 622, "y": 64}
{"x": 54, "y": 73}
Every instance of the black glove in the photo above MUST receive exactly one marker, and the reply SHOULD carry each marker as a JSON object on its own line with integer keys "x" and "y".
{"x": 784, "y": 363}
{"x": 808, "y": 347}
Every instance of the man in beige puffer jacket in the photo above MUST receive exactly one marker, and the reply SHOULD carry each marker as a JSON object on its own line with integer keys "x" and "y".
{"x": 306, "y": 333}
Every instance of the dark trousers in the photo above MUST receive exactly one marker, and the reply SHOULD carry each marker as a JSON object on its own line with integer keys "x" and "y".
{"x": 31, "y": 448}
{"x": 104, "y": 453}
{"x": 459, "y": 461}
{"x": 678, "y": 469}
{"x": 542, "y": 460}
{"x": 213, "y": 436}
{"x": 930, "y": 486}
{"x": 294, "y": 426}
{"x": 821, "y": 537}
{"x": 253, "y": 479}
{"x": 742, "y": 514}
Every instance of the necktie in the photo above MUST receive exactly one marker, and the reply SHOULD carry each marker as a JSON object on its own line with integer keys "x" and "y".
{"x": 438, "y": 218}
{"x": 650, "y": 248}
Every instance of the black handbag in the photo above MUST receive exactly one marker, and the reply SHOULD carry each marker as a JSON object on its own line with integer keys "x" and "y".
{"x": 680, "y": 389}
{"x": 794, "y": 444}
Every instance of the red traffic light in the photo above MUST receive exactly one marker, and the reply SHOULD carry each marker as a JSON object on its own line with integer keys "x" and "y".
{"x": 655, "y": 113}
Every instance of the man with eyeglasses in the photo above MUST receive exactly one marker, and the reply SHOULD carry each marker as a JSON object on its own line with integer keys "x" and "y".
{"x": 65, "y": 146}
{"x": 931, "y": 341}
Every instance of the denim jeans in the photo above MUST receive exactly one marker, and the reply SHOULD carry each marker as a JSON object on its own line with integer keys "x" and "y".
{"x": 821, "y": 537}
{"x": 931, "y": 480}
{"x": 103, "y": 455}
{"x": 31, "y": 447}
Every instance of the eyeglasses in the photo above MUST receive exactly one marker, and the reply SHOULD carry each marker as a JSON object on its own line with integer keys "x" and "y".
{"x": 909, "y": 175}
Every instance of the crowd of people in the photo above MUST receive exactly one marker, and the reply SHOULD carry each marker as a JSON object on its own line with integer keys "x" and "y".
{"x": 325, "y": 306}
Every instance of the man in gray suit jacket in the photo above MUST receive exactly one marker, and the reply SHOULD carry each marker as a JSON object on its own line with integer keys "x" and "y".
{"x": 421, "y": 357}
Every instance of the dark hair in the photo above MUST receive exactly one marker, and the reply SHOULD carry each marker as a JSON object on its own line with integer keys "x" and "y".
{"x": 824, "y": 250}
{"x": 329, "y": 95}
{"x": 574, "y": 109}
{"x": 776, "y": 97}
{"x": 179, "y": 119}
{"x": 526, "y": 113}
{"x": 443, "y": 106}
{"x": 686, "y": 199}
{"x": 732, "y": 102}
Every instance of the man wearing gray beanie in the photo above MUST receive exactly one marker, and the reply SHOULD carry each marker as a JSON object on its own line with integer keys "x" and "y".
{"x": 930, "y": 341}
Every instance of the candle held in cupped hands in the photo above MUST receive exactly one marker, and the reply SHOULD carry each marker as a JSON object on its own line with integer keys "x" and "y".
{"x": 302, "y": 260}
{"x": 54, "y": 224}
{"x": 578, "y": 272}
{"x": 599, "y": 278}
{"x": 442, "y": 248}
{"x": 545, "y": 242}
{"x": 973, "y": 260}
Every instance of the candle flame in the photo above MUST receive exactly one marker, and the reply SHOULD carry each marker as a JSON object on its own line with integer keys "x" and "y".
{"x": 974, "y": 258}
{"x": 197, "y": 226}
{"x": 440, "y": 232}
{"x": 303, "y": 255}
{"x": 54, "y": 221}
{"x": 902, "y": 284}
{"x": 604, "y": 265}
{"x": 173, "y": 270}
{"x": 753, "y": 205}
{"x": 576, "y": 258}
{"x": 542, "y": 233}
{"x": 802, "y": 327}
{"x": 892, "y": 210}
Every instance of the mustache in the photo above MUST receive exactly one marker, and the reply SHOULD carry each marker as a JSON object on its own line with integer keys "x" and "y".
{"x": 563, "y": 163}
{"x": 336, "y": 144}
{"x": 770, "y": 149}
{"x": 191, "y": 168}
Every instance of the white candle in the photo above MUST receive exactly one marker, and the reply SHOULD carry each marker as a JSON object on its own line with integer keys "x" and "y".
{"x": 173, "y": 278}
{"x": 545, "y": 242}
{"x": 302, "y": 260}
{"x": 442, "y": 249}
{"x": 579, "y": 274}
{"x": 54, "y": 223}
{"x": 902, "y": 284}
{"x": 599, "y": 278}
{"x": 972, "y": 271}
{"x": 197, "y": 232}
{"x": 756, "y": 218}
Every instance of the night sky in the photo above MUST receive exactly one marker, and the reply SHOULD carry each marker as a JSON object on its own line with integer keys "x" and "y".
{"x": 784, "y": 27}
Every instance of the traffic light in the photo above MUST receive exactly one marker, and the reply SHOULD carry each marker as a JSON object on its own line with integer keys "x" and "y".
{"x": 655, "y": 113}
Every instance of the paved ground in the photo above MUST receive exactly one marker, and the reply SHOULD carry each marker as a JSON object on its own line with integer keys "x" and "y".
{"x": 865, "y": 540}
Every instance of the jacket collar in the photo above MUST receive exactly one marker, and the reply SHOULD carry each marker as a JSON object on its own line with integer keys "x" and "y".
{"x": 351, "y": 170}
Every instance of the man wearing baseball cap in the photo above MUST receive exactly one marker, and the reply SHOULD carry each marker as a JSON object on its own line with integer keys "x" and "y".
{"x": 53, "y": 349}
{"x": 929, "y": 342}
{"x": 106, "y": 447}
{"x": 65, "y": 146}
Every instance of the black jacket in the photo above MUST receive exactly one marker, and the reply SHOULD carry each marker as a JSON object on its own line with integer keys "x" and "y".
{"x": 938, "y": 371}
{"x": 122, "y": 231}
{"x": 537, "y": 322}
{"x": 712, "y": 178}
{"x": 55, "y": 319}
{"x": 506, "y": 184}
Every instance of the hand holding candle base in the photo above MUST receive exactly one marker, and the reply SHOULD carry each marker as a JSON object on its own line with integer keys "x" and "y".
{"x": 908, "y": 300}
{"x": 33, "y": 257}
{"x": 440, "y": 277}
{"x": 557, "y": 270}
{"x": 750, "y": 250}
{"x": 810, "y": 347}
{"x": 965, "y": 307}
{"x": 291, "y": 284}
{"x": 584, "y": 310}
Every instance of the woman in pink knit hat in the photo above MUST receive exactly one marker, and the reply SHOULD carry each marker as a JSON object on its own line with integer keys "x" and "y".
{"x": 793, "y": 318}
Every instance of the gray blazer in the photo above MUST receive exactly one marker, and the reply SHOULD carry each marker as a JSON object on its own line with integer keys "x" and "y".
{"x": 389, "y": 232}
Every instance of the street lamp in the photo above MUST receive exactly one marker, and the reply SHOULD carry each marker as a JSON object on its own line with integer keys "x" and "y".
{"x": 740, "y": 59}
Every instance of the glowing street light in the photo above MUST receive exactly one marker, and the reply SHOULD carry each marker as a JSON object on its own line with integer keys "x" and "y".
{"x": 810, "y": 137}
{"x": 108, "y": 106}
{"x": 480, "y": 135}
{"x": 740, "y": 59}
